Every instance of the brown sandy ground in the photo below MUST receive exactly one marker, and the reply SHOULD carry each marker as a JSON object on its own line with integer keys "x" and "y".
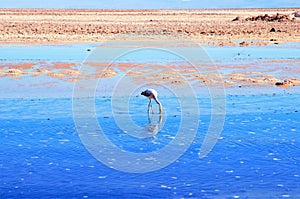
{"x": 210, "y": 27}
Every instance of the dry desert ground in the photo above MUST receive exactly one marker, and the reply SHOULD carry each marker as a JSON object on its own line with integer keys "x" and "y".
{"x": 210, "y": 27}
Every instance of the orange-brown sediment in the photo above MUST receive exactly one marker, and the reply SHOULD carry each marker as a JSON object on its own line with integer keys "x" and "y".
{"x": 168, "y": 74}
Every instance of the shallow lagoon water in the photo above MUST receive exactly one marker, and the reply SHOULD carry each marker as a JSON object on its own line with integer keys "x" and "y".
{"x": 257, "y": 154}
{"x": 41, "y": 154}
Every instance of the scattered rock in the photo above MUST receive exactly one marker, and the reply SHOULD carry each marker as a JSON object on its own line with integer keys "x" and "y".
{"x": 278, "y": 17}
{"x": 236, "y": 19}
{"x": 279, "y": 83}
{"x": 296, "y": 14}
{"x": 244, "y": 43}
{"x": 14, "y": 71}
{"x": 272, "y": 30}
{"x": 285, "y": 83}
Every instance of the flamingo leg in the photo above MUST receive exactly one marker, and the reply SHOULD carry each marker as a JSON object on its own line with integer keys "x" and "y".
{"x": 150, "y": 106}
{"x": 151, "y": 109}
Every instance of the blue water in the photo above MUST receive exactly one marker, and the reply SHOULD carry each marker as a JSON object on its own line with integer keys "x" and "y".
{"x": 78, "y": 52}
{"x": 256, "y": 156}
{"x": 42, "y": 154}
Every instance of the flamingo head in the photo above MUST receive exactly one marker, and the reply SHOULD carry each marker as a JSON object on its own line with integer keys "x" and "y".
{"x": 147, "y": 93}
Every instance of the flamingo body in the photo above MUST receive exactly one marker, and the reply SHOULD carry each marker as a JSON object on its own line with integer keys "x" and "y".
{"x": 152, "y": 94}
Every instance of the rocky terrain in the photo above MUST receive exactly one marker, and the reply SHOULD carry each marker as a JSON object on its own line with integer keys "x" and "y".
{"x": 210, "y": 27}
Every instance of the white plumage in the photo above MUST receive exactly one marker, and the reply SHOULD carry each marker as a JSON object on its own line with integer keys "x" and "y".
{"x": 152, "y": 94}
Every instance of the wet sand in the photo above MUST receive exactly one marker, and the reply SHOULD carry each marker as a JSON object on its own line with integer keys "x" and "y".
{"x": 247, "y": 75}
{"x": 210, "y": 27}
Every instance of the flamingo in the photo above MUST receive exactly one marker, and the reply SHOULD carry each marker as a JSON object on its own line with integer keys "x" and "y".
{"x": 152, "y": 94}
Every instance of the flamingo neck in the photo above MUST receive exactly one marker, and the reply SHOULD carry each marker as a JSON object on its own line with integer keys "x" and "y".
{"x": 159, "y": 104}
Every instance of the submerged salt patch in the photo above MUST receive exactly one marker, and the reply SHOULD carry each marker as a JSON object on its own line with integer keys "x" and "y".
{"x": 280, "y": 185}
{"x": 150, "y": 158}
{"x": 35, "y": 157}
